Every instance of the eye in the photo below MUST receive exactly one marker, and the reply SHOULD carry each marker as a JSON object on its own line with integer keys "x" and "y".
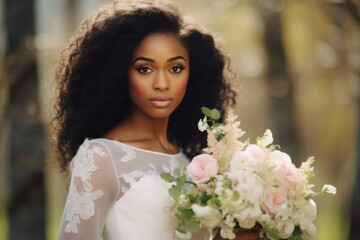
{"x": 144, "y": 70}
{"x": 176, "y": 69}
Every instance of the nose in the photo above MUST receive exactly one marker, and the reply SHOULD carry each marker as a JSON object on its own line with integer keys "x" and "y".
{"x": 161, "y": 82}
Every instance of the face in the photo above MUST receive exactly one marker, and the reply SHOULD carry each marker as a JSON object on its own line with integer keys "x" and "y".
{"x": 158, "y": 75}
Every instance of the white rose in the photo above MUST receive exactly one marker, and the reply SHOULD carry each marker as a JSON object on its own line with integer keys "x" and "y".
{"x": 277, "y": 158}
{"x": 241, "y": 160}
{"x": 247, "y": 217}
{"x": 248, "y": 185}
{"x": 257, "y": 153}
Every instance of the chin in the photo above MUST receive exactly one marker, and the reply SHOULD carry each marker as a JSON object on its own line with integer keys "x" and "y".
{"x": 160, "y": 112}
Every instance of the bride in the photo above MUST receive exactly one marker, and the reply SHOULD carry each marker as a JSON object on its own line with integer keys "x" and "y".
{"x": 130, "y": 87}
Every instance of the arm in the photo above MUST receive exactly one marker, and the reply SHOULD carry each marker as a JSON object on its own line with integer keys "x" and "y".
{"x": 93, "y": 189}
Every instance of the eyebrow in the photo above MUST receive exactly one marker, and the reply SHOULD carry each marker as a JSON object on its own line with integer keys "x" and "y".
{"x": 175, "y": 58}
{"x": 152, "y": 60}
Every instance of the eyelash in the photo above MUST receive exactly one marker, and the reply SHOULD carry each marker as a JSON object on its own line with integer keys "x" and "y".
{"x": 141, "y": 69}
{"x": 179, "y": 67}
{"x": 145, "y": 69}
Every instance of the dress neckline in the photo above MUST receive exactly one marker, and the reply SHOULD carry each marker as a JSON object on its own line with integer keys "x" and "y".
{"x": 145, "y": 150}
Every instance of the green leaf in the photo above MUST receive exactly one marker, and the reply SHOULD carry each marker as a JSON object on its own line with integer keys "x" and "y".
{"x": 218, "y": 136}
{"x": 206, "y": 111}
{"x": 175, "y": 192}
{"x": 273, "y": 234}
{"x": 181, "y": 182}
{"x": 184, "y": 214}
{"x": 211, "y": 113}
{"x": 167, "y": 177}
{"x": 176, "y": 172}
{"x": 296, "y": 235}
{"x": 188, "y": 222}
{"x": 213, "y": 201}
{"x": 215, "y": 114}
{"x": 204, "y": 198}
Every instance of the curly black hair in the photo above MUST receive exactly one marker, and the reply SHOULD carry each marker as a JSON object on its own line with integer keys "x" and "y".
{"x": 92, "y": 77}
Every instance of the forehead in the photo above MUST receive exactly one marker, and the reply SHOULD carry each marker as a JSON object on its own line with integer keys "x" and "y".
{"x": 162, "y": 44}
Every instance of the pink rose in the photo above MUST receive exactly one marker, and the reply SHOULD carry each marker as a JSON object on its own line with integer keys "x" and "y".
{"x": 273, "y": 200}
{"x": 287, "y": 175}
{"x": 201, "y": 168}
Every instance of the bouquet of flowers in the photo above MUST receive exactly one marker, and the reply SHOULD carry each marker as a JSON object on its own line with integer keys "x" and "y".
{"x": 237, "y": 184}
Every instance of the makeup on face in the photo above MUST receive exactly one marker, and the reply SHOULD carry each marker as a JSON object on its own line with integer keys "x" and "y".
{"x": 159, "y": 74}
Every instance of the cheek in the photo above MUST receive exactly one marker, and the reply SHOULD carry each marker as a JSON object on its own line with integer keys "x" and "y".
{"x": 137, "y": 87}
{"x": 181, "y": 87}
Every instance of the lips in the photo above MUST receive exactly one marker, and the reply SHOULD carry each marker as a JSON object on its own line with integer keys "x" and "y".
{"x": 160, "y": 102}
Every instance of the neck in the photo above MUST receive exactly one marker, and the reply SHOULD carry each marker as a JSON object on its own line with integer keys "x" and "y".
{"x": 141, "y": 130}
{"x": 144, "y": 126}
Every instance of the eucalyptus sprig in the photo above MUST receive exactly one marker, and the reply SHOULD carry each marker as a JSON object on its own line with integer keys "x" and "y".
{"x": 185, "y": 215}
{"x": 210, "y": 122}
{"x": 178, "y": 180}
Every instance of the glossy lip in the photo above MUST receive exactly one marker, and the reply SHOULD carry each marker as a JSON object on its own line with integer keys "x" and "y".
{"x": 160, "y": 102}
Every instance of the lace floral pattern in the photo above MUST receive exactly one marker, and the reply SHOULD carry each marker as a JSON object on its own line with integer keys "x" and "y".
{"x": 130, "y": 154}
{"x": 81, "y": 195}
{"x": 134, "y": 176}
{"x": 115, "y": 190}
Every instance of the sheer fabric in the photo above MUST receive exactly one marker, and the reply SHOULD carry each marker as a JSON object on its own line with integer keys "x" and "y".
{"x": 116, "y": 193}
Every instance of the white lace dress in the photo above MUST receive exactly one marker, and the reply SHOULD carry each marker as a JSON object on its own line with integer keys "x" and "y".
{"x": 116, "y": 193}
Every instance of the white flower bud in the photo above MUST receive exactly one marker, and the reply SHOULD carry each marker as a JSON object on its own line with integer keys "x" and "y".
{"x": 202, "y": 124}
{"x": 265, "y": 140}
{"x": 329, "y": 189}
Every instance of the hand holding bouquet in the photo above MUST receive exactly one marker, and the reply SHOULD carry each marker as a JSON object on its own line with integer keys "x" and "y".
{"x": 237, "y": 184}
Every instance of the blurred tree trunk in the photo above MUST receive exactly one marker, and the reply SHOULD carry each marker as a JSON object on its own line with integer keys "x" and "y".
{"x": 355, "y": 200}
{"x": 280, "y": 87}
{"x": 354, "y": 10}
{"x": 26, "y": 204}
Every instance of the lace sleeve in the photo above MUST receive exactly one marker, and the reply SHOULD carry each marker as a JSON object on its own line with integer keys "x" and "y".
{"x": 93, "y": 189}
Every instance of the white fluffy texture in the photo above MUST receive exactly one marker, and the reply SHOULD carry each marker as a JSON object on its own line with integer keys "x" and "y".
{"x": 146, "y": 203}
{"x": 223, "y": 150}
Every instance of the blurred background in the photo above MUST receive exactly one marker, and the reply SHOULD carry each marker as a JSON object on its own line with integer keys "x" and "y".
{"x": 297, "y": 64}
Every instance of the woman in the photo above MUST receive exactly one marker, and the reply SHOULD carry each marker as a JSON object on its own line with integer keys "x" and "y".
{"x": 131, "y": 85}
